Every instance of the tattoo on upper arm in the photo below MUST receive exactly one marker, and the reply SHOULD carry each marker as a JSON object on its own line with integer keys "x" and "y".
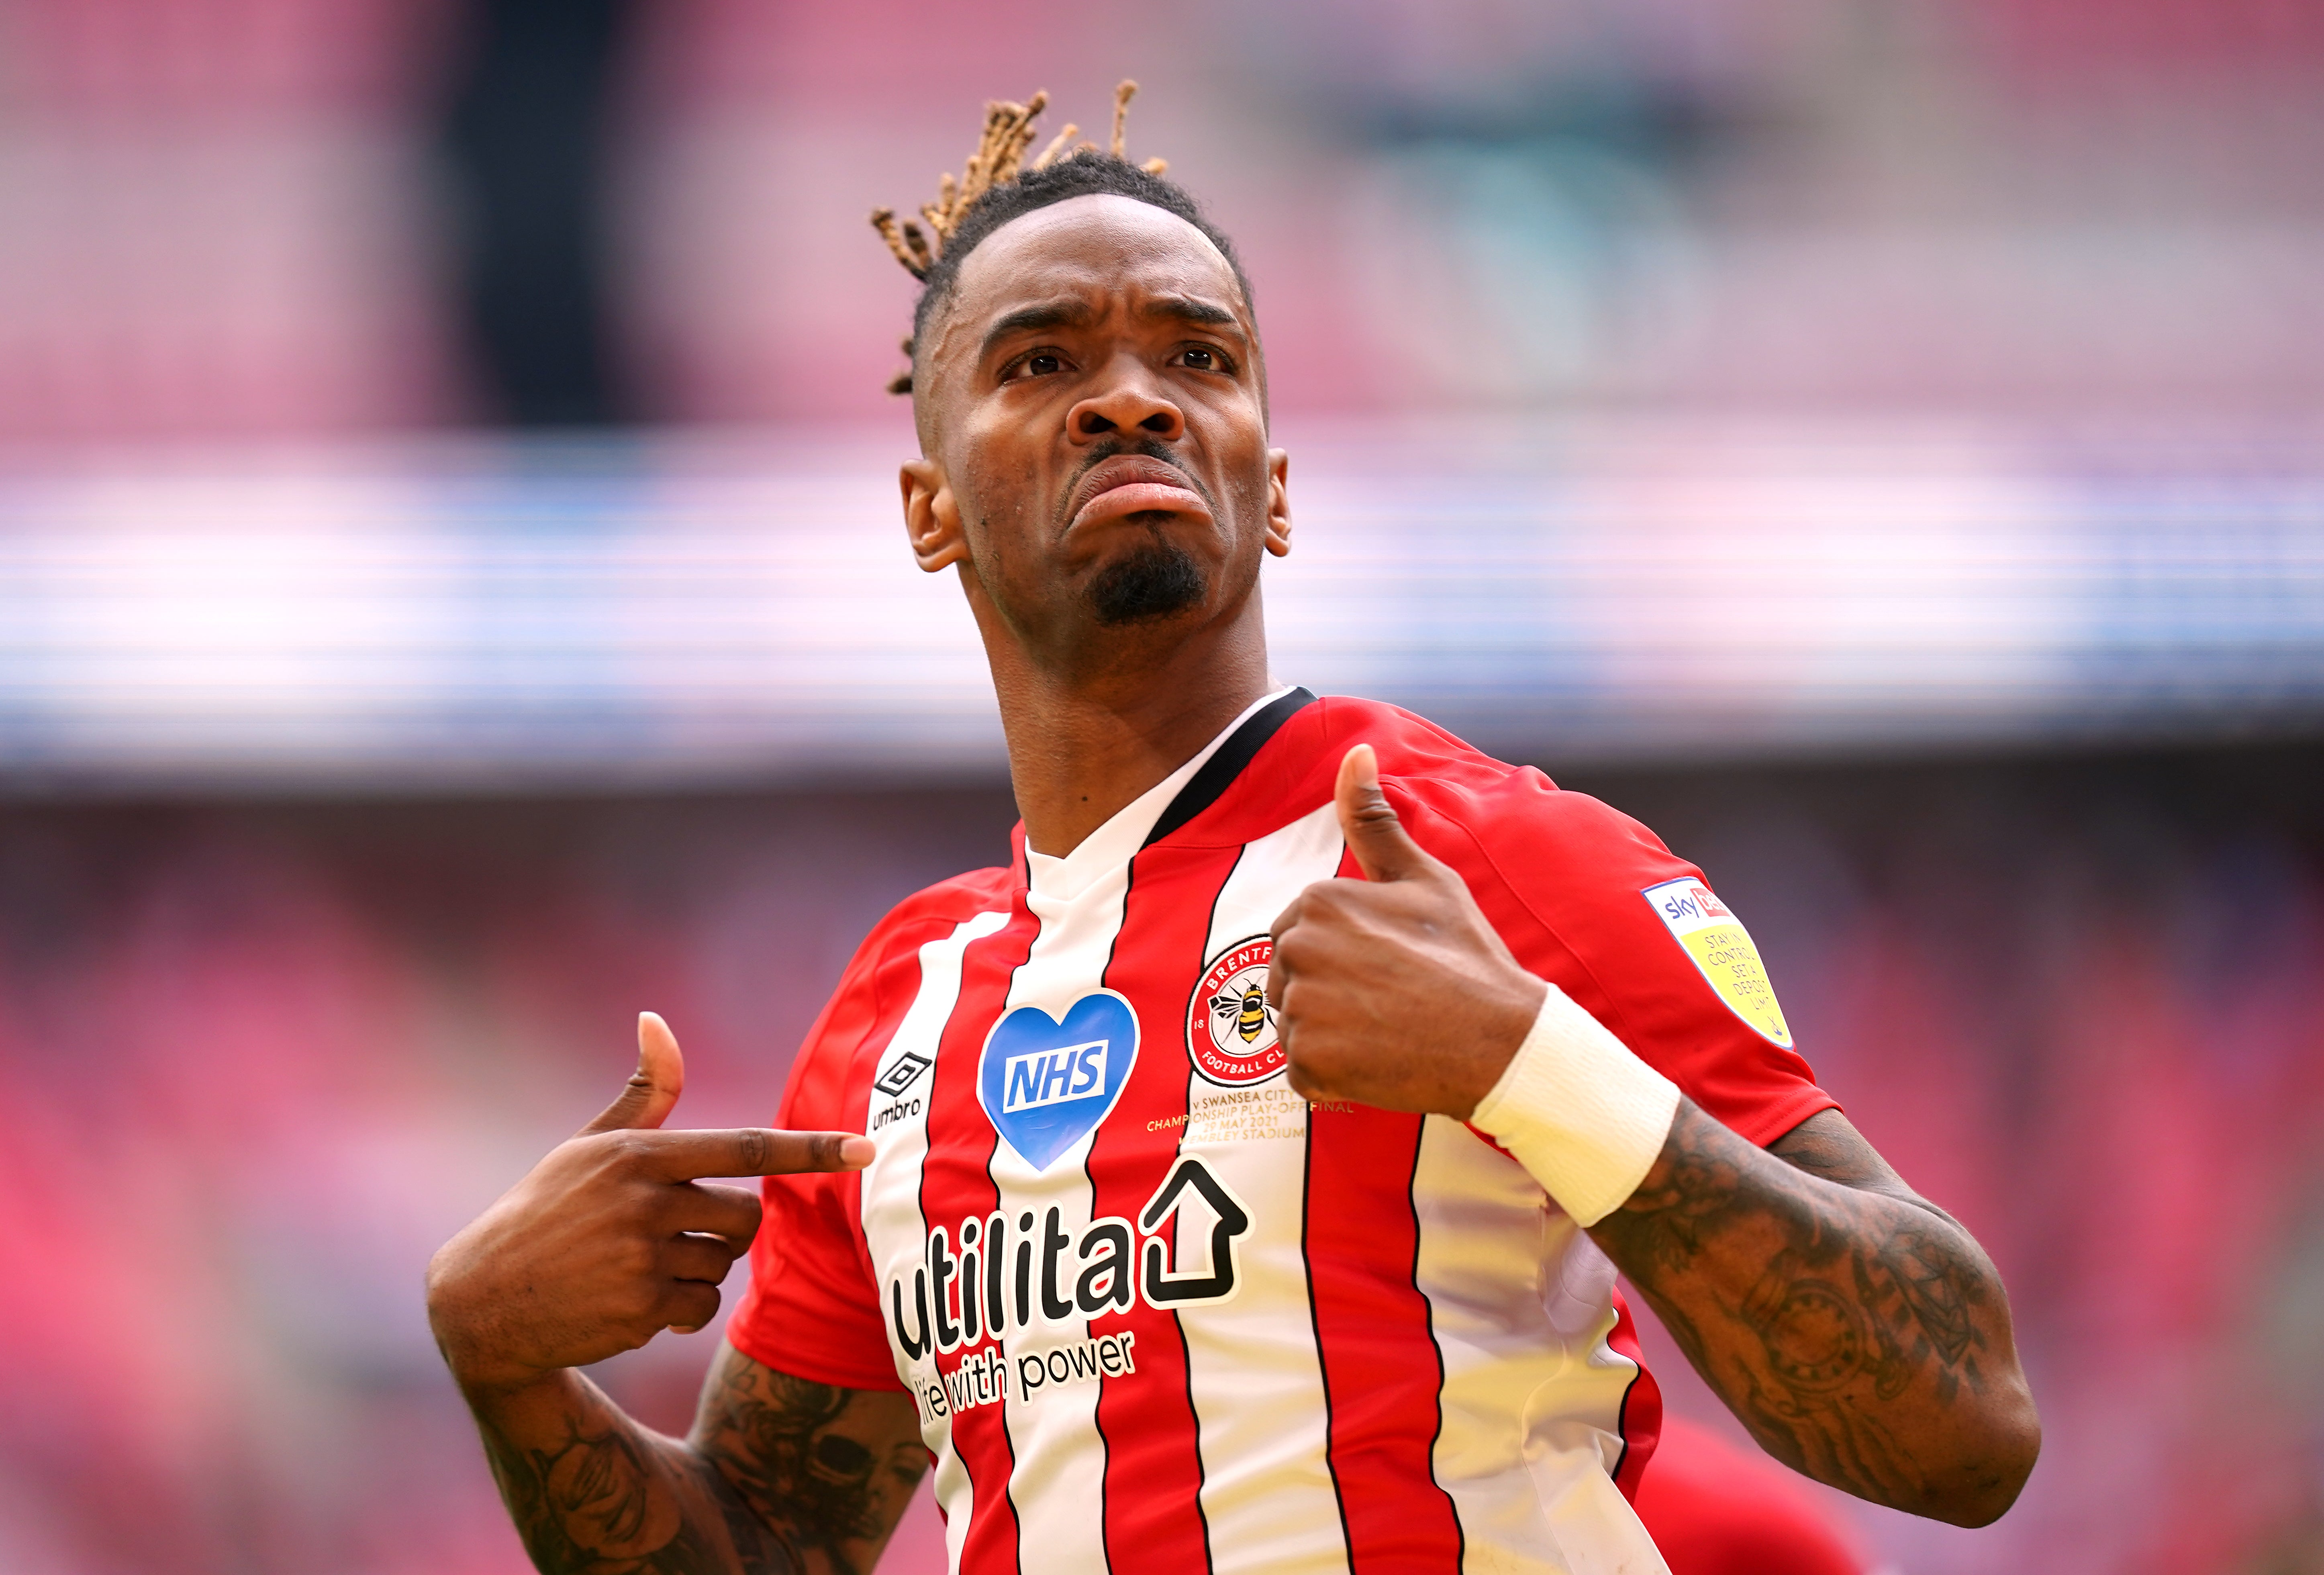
{"x": 1814, "y": 1147}
{"x": 820, "y": 1474}
{"x": 1863, "y": 1293}
{"x": 1827, "y": 1144}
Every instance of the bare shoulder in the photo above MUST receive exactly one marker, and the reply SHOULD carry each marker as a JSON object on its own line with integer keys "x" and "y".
{"x": 1827, "y": 1145}
{"x": 823, "y": 1472}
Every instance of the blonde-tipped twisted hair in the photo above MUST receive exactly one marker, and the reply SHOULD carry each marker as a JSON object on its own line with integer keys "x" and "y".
{"x": 999, "y": 158}
{"x": 998, "y": 184}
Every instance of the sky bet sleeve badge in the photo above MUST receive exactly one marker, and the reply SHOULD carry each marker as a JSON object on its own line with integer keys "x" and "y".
{"x": 1046, "y": 1084}
{"x": 1722, "y": 948}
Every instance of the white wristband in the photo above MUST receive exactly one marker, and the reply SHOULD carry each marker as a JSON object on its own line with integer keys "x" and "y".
{"x": 1579, "y": 1111}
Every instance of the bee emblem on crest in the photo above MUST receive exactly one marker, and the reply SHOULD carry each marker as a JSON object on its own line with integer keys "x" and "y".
{"x": 1248, "y": 1011}
{"x": 1230, "y": 1030}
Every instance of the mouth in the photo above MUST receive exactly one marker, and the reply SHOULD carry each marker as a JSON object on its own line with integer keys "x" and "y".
{"x": 1132, "y": 483}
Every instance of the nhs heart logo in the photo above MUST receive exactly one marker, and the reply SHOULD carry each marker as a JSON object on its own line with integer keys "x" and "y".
{"x": 1045, "y": 1083}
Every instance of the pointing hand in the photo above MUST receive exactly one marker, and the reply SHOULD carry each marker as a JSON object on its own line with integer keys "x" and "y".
{"x": 1394, "y": 991}
{"x": 614, "y": 1235}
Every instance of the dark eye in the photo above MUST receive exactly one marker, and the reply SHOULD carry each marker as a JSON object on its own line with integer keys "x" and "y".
{"x": 1042, "y": 365}
{"x": 842, "y": 1457}
{"x": 1201, "y": 359}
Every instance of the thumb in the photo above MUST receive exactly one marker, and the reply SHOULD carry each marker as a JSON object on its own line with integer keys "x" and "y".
{"x": 653, "y": 1088}
{"x": 1367, "y": 819}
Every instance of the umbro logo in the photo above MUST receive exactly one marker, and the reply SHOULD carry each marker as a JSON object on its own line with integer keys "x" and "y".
{"x": 902, "y": 1075}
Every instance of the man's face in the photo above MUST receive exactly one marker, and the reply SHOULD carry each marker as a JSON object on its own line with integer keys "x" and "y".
{"x": 1094, "y": 432}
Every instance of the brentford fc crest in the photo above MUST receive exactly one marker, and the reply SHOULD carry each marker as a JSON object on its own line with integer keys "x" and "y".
{"x": 1230, "y": 1027}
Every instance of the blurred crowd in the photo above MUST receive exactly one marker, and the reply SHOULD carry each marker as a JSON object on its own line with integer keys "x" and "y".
{"x": 266, "y": 216}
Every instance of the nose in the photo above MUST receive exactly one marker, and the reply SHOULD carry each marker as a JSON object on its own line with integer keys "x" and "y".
{"x": 1128, "y": 404}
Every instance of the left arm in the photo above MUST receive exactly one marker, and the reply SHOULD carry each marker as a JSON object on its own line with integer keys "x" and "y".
{"x": 1857, "y": 1329}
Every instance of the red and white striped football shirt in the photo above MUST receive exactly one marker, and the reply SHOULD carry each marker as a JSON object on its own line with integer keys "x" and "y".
{"x": 1158, "y": 1312}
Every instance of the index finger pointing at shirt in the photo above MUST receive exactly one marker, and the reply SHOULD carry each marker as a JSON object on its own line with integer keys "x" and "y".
{"x": 752, "y": 1151}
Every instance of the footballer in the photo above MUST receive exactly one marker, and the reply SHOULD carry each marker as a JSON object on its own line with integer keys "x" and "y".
{"x": 1236, "y": 1178}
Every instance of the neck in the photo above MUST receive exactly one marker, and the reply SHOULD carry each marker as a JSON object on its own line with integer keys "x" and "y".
{"x": 1084, "y": 746}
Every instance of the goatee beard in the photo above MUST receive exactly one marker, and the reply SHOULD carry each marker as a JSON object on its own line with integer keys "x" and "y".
{"x": 1157, "y": 580}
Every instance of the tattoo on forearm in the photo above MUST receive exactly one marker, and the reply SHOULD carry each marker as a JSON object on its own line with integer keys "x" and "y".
{"x": 781, "y": 1477}
{"x": 598, "y": 1503}
{"x": 1857, "y": 1296}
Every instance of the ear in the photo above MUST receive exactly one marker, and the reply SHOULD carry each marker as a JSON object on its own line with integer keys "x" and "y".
{"x": 931, "y": 517}
{"x": 1278, "y": 502}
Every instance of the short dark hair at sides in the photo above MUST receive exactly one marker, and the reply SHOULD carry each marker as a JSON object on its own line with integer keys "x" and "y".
{"x": 1087, "y": 173}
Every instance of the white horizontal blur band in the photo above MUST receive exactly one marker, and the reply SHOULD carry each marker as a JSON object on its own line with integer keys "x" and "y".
{"x": 1579, "y": 1111}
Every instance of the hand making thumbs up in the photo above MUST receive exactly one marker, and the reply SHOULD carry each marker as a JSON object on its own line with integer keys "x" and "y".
{"x": 613, "y": 1236}
{"x": 1394, "y": 991}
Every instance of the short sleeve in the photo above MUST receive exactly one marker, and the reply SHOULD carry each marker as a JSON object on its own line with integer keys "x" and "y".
{"x": 1591, "y": 900}
{"x": 812, "y": 1309}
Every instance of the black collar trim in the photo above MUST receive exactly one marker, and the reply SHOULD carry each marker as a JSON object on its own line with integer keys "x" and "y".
{"x": 1204, "y": 788}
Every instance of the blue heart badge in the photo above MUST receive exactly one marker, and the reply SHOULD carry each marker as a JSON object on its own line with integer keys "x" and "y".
{"x": 1045, "y": 1084}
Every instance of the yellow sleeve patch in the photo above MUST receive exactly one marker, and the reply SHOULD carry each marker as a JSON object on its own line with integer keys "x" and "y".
{"x": 1711, "y": 934}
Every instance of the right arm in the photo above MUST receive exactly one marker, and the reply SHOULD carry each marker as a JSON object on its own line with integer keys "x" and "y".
{"x": 609, "y": 1240}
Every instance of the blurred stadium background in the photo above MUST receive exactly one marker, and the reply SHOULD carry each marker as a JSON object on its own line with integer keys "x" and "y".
{"x": 450, "y": 599}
